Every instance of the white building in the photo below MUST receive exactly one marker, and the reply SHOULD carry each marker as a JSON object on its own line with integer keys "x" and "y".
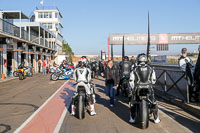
{"x": 50, "y": 17}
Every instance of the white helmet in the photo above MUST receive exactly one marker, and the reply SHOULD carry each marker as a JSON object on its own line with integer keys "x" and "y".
{"x": 82, "y": 61}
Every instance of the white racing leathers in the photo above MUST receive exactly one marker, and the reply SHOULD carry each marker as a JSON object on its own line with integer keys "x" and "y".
{"x": 82, "y": 76}
{"x": 186, "y": 65}
{"x": 143, "y": 76}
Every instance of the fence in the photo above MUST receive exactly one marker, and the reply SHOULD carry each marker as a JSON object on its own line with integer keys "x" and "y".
{"x": 172, "y": 81}
{"x": 8, "y": 28}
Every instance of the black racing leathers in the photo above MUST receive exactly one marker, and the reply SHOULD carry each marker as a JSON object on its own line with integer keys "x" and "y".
{"x": 142, "y": 76}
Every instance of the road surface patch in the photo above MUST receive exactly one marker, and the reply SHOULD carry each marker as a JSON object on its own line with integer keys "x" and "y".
{"x": 47, "y": 117}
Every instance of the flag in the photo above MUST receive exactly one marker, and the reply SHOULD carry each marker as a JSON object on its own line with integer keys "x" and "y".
{"x": 42, "y": 2}
{"x": 148, "y": 43}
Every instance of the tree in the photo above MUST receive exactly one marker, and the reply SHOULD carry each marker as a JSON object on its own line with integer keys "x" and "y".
{"x": 66, "y": 48}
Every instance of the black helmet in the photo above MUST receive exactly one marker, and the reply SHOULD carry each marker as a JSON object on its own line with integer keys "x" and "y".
{"x": 126, "y": 58}
{"x": 142, "y": 58}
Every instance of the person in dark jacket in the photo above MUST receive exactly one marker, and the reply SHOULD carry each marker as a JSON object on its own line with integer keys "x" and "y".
{"x": 197, "y": 77}
{"x": 111, "y": 80}
{"x": 124, "y": 72}
{"x": 39, "y": 65}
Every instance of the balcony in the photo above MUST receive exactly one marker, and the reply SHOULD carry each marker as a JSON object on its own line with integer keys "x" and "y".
{"x": 13, "y": 30}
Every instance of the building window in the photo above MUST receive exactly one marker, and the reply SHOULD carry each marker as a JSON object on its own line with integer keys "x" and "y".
{"x": 46, "y": 15}
{"x": 40, "y": 15}
{"x": 49, "y": 25}
{"x": 56, "y": 15}
{"x": 50, "y": 15}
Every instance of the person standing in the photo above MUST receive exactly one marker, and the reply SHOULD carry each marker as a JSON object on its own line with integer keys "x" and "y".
{"x": 124, "y": 73}
{"x": 187, "y": 65}
{"x": 111, "y": 80}
{"x": 39, "y": 65}
{"x": 44, "y": 67}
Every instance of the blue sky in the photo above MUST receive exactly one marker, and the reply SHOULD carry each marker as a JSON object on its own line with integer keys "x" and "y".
{"x": 87, "y": 23}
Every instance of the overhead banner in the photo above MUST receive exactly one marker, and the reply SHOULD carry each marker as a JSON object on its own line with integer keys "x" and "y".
{"x": 168, "y": 38}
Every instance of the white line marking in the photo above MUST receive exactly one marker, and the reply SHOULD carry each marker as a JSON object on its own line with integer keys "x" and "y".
{"x": 58, "y": 126}
{"x": 38, "y": 110}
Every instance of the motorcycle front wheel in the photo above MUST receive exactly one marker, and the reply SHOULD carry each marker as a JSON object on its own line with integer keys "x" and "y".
{"x": 54, "y": 77}
{"x": 15, "y": 74}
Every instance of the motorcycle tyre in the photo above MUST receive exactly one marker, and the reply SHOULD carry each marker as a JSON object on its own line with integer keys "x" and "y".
{"x": 80, "y": 107}
{"x": 20, "y": 76}
{"x": 15, "y": 74}
{"x": 143, "y": 114}
{"x": 54, "y": 79}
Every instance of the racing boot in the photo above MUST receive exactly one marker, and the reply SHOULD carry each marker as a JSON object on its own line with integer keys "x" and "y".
{"x": 94, "y": 98}
{"x": 92, "y": 111}
{"x": 131, "y": 120}
{"x": 73, "y": 109}
{"x": 157, "y": 120}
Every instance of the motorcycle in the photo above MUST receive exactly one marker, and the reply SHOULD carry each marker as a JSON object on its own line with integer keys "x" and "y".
{"x": 66, "y": 73}
{"x": 125, "y": 86}
{"x": 94, "y": 73}
{"x": 28, "y": 71}
{"x": 21, "y": 73}
{"x": 141, "y": 101}
{"x": 81, "y": 101}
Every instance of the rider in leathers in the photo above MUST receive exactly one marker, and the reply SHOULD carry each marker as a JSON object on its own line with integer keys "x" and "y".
{"x": 143, "y": 74}
{"x": 125, "y": 69}
{"x": 187, "y": 65}
{"x": 82, "y": 76}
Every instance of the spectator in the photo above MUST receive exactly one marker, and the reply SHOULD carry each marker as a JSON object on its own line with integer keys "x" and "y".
{"x": 101, "y": 67}
{"x": 112, "y": 79}
{"x": 39, "y": 65}
{"x": 44, "y": 67}
{"x": 197, "y": 77}
{"x": 186, "y": 65}
{"x": 132, "y": 60}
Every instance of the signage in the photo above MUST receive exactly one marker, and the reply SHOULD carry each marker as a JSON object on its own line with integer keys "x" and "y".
{"x": 168, "y": 38}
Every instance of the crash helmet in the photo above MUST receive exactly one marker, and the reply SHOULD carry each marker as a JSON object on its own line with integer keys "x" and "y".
{"x": 82, "y": 62}
{"x": 126, "y": 58}
{"x": 142, "y": 58}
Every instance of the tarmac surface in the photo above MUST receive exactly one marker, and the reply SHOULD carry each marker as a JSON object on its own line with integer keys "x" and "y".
{"x": 20, "y": 100}
{"x": 115, "y": 119}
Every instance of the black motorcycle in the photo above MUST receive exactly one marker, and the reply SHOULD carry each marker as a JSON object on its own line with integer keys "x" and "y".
{"x": 81, "y": 101}
{"x": 141, "y": 101}
{"x": 125, "y": 86}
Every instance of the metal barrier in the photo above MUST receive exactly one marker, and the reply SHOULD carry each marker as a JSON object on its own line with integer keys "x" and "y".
{"x": 166, "y": 74}
{"x": 8, "y": 28}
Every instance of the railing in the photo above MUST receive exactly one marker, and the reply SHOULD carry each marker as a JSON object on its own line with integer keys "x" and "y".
{"x": 42, "y": 41}
{"x": 8, "y": 28}
{"x": 34, "y": 39}
{"x": 173, "y": 82}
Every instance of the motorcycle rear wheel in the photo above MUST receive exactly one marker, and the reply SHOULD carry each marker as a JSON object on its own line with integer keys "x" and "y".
{"x": 143, "y": 114}
{"x": 20, "y": 76}
{"x": 80, "y": 107}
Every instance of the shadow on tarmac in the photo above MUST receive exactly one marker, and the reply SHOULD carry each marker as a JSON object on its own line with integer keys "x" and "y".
{"x": 120, "y": 108}
{"x": 5, "y": 128}
{"x": 186, "y": 121}
{"x": 67, "y": 98}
